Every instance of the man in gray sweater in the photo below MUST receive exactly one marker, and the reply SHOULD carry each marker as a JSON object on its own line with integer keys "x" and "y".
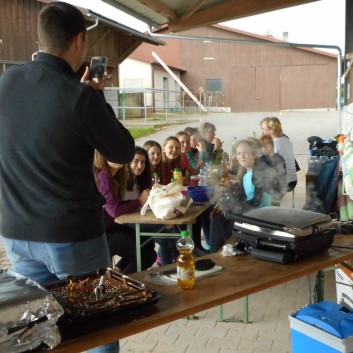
{"x": 50, "y": 125}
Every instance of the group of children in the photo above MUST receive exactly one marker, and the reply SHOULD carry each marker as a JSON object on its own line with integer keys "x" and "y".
{"x": 260, "y": 175}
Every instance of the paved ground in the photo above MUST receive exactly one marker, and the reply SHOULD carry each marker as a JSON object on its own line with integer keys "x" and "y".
{"x": 269, "y": 331}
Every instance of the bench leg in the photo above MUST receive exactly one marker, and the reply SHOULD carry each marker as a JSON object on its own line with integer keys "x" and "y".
{"x": 245, "y": 312}
{"x": 320, "y": 280}
{"x": 138, "y": 247}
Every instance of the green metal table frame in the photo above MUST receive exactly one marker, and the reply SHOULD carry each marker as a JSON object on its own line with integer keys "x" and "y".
{"x": 152, "y": 235}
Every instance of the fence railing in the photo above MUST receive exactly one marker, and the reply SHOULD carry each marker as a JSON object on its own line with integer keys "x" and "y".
{"x": 147, "y": 102}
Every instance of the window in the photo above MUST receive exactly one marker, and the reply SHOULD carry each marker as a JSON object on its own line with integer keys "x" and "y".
{"x": 214, "y": 85}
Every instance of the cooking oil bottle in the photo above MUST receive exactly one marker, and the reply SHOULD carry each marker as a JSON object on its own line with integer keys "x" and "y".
{"x": 185, "y": 262}
{"x": 178, "y": 176}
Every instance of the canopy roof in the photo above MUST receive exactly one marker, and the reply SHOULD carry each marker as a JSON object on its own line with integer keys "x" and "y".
{"x": 185, "y": 14}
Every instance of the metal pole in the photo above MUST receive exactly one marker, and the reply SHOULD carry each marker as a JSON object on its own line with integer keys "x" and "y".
{"x": 145, "y": 110}
{"x": 183, "y": 104}
{"x": 123, "y": 104}
{"x": 339, "y": 74}
{"x": 170, "y": 72}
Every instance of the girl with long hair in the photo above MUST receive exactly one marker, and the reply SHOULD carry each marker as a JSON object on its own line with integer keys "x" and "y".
{"x": 173, "y": 158}
{"x": 187, "y": 155}
{"x": 154, "y": 151}
{"x": 114, "y": 183}
{"x": 249, "y": 194}
{"x": 283, "y": 146}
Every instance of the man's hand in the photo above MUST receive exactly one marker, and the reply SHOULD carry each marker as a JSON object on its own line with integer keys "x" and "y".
{"x": 201, "y": 146}
{"x": 96, "y": 83}
{"x": 199, "y": 164}
{"x": 218, "y": 144}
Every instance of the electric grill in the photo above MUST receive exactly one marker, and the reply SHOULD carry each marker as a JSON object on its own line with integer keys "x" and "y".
{"x": 282, "y": 235}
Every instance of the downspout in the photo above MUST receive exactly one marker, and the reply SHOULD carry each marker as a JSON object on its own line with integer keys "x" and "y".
{"x": 280, "y": 44}
{"x": 94, "y": 25}
{"x": 153, "y": 92}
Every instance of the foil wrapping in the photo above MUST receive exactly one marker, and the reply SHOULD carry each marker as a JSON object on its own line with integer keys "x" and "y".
{"x": 28, "y": 314}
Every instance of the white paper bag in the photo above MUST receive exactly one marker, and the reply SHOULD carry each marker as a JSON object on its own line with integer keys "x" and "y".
{"x": 167, "y": 201}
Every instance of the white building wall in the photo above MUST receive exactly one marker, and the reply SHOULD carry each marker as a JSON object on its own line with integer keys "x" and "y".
{"x": 163, "y": 81}
{"x": 136, "y": 74}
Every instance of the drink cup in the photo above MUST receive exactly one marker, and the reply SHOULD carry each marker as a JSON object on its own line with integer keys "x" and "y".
{"x": 194, "y": 180}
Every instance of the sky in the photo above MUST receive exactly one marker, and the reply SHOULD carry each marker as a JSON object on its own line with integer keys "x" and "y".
{"x": 319, "y": 22}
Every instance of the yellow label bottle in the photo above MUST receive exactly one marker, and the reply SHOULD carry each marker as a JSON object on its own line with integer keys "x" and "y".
{"x": 185, "y": 262}
{"x": 178, "y": 176}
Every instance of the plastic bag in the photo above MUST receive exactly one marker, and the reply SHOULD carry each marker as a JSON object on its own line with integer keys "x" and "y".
{"x": 167, "y": 201}
{"x": 347, "y": 167}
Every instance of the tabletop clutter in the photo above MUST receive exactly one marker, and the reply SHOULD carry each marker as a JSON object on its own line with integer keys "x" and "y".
{"x": 331, "y": 162}
{"x": 29, "y": 314}
{"x": 322, "y": 150}
{"x": 172, "y": 200}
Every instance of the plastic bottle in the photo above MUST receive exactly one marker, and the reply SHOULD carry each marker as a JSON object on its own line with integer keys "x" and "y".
{"x": 208, "y": 170}
{"x": 202, "y": 177}
{"x": 185, "y": 262}
{"x": 155, "y": 179}
{"x": 254, "y": 134}
{"x": 316, "y": 165}
{"x": 178, "y": 176}
{"x": 234, "y": 143}
{"x": 311, "y": 165}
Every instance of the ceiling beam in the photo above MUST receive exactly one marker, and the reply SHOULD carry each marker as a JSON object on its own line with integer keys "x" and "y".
{"x": 229, "y": 10}
{"x": 192, "y": 9}
{"x": 160, "y": 8}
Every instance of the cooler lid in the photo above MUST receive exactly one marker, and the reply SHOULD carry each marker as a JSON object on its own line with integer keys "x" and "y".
{"x": 328, "y": 316}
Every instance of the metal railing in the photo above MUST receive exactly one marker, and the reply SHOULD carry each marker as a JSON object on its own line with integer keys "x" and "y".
{"x": 151, "y": 102}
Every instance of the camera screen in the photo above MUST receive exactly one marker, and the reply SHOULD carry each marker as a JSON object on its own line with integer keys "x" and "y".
{"x": 98, "y": 66}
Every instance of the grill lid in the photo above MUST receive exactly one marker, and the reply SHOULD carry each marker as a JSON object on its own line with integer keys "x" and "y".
{"x": 281, "y": 217}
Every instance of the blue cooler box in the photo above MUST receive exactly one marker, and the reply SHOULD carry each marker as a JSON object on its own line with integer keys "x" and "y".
{"x": 325, "y": 327}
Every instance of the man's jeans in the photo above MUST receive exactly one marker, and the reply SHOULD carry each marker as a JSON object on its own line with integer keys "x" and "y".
{"x": 47, "y": 262}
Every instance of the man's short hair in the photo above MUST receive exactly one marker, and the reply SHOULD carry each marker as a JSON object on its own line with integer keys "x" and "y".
{"x": 58, "y": 24}
{"x": 206, "y": 128}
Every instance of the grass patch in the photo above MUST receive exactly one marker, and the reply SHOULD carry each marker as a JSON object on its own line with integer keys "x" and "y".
{"x": 137, "y": 132}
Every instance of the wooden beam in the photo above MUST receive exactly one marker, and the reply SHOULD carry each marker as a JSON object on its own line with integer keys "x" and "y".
{"x": 192, "y": 9}
{"x": 123, "y": 54}
{"x": 103, "y": 35}
{"x": 162, "y": 9}
{"x": 229, "y": 10}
